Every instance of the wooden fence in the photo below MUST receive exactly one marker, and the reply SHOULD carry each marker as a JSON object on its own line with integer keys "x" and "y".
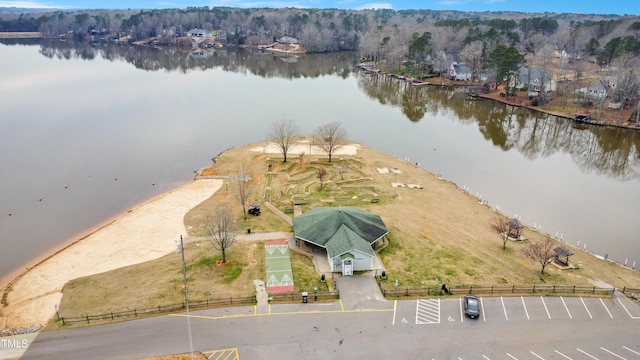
{"x": 160, "y": 309}
{"x": 297, "y": 297}
{"x": 201, "y": 304}
{"x": 498, "y": 290}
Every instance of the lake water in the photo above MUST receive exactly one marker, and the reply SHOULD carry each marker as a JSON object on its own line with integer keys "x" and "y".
{"x": 89, "y": 131}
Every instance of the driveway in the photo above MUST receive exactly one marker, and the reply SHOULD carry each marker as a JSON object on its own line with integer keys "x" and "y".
{"x": 359, "y": 291}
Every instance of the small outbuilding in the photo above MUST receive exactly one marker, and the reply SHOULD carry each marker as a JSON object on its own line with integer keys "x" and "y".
{"x": 348, "y": 234}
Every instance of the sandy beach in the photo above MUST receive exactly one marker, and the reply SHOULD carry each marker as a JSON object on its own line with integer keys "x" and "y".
{"x": 144, "y": 233}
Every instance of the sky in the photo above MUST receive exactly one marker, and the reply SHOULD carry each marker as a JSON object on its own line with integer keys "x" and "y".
{"x": 619, "y": 7}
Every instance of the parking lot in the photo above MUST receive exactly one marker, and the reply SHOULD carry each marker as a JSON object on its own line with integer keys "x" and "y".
{"x": 521, "y": 308}
{"x": 511, "y": 328}
{"x": 564, "y": 315}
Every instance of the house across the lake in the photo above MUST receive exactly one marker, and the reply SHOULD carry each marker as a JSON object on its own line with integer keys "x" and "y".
{"x": 348, "y": 235}
{"x": 460, "y": 72}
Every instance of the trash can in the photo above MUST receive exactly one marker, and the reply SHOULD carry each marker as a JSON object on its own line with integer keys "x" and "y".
{"x": 248, "y": 230}
{"x": 305, "y": 296}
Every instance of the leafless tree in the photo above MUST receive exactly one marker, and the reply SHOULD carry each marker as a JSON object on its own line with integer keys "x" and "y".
{"x": 507, "y": 228}
{"x": 222, "y": 229}
{"x": 501, "y": 226}
{"x": 330, "y": 137}
{"x": 341, "y": 170}
{"x": 243, "y": 188}
{"x": 472, "y": 53}
{"x": 541, "y": 251}
{"x": 283, "y": 133}
{"x": 322, "y": 175}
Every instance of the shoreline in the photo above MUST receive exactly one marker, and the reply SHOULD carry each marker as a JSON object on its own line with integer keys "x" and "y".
{"x": 129, "y": 238}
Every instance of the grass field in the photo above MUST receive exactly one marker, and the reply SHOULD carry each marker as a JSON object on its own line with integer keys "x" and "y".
{"x": 437, "y": 232}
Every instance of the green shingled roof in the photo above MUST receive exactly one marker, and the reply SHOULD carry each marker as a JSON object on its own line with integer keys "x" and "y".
{"x": 340, "y": 229}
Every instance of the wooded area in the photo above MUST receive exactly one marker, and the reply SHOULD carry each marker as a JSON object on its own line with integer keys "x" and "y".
{"x": 537, "y": 53}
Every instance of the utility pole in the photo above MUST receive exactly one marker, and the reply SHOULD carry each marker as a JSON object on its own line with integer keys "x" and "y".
{"x": 184, "y": 275}
{"x": 186, "y": 294}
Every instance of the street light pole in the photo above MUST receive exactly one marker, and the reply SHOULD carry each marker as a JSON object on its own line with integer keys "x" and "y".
{"x": 184, "y": 275}
{"x": 186, "y": 295}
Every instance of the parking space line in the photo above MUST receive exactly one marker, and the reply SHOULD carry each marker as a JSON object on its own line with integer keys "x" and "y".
{"x": 566, "y": 308}
{"x": 545, "y": 307}
{"x": 485, "y": 357}
{"x": 511, "y": 356}
{"x": 605, "y": 307}
{"x": 482, "y": 306}
{"x": 612, "y": 353}
{"x": 585, "y": 307}
{"x": 586, "y": 353}
{"x": 563, "y": 355}
{"x": 505, "y": 310}
{"x": 525, "y": 308}
{"x": 536, "y": 355}
{"x": 628, "y": 312}
{"x": 635, "y": 352}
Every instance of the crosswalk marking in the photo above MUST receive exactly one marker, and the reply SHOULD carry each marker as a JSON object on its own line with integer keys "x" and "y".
{"x": 428, "y": 311}
{"x": 222, "y": 354}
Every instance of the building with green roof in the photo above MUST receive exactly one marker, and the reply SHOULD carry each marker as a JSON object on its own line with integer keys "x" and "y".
{"x": 348, "y": 235}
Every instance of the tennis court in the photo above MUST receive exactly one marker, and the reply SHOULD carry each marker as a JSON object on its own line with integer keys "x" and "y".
{"x": 278, "y": 264}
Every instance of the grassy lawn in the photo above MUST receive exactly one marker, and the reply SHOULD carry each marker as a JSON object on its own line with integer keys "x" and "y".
{"x": 436, "y": 234}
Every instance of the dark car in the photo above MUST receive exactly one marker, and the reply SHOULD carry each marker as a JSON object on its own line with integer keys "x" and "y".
{"x": 254, "y": 209}
{"x": 471, "y": 306}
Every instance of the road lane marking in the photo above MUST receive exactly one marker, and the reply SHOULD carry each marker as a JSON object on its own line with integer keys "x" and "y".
{"x": 561, "y": 354}
{"x": 566, "y": 308}
{"x": 545, "y": 307}
{"x": 612, "y": 353}
{"x": 536, "y": 355}
{"x": 505, "y": 311}
{"x": 585, "y": 307}
{"x": 482, "y": 306}
{"x": 586, "y": 353}
{"x": 395, "y": 307}
{"x": 525, "y": 307}
{"x": 341, "y": 305}
{"x": 635, "y": 352}
{"x": 485, "y": 357}
{"x": 511, "y": 356}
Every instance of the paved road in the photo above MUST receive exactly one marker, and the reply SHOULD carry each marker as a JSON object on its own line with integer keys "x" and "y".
{"x": 509, "y": 328}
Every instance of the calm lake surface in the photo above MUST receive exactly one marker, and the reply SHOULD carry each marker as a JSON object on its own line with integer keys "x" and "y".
{"x": 89, "y": 131}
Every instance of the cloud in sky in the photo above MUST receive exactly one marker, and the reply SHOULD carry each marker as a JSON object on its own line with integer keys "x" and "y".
{"x": 375, "y": 6}
{"x": 28, "y": 5}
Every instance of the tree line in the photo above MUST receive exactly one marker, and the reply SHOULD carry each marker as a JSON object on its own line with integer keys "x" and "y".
{"x": 436, "y": 37}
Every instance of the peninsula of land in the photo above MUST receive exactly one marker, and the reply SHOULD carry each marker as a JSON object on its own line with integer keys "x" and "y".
{"x": 436, "y": 230}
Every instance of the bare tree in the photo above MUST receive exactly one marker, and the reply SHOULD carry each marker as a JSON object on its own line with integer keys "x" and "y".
{"x": 222, "y": 230}
{"x": 500, "y": 224}
{"x": 507, "y": 228}
{"x": 330, "y": 137}
{"x": 283, "y": 133}
{"x": 341, "y": 170}
{"x": 472, "y": 53}
{"x": 322, "y": 175}
{"x": 541, "y": 251}
{"x": 243, "y": 188}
